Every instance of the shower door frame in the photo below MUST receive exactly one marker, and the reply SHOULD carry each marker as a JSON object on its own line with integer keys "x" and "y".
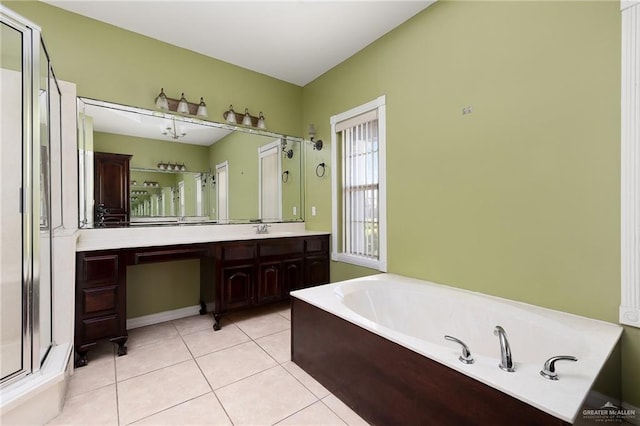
{"x": 30, "y": 193}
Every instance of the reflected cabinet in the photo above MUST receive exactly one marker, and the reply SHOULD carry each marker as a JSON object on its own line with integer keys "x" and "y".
{"x": 234, "y": 275}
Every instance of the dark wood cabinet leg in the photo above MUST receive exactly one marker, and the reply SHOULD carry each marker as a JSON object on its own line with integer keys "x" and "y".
{"x": 203, "y": 308}
{"x": 122, "y": 349}
{"x": 216, "y": 324}
{"x": 82, "y": 360}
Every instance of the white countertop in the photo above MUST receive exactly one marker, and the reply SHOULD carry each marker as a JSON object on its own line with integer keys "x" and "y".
{"x": 147, "y": 236}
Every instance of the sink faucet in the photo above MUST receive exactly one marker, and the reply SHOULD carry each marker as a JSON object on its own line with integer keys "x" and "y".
{"x": 505, "y": 350}
{"x": 262, "y": 229}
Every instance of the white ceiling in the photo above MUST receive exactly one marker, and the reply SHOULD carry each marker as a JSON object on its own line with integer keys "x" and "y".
{"x": 295, "y": 41}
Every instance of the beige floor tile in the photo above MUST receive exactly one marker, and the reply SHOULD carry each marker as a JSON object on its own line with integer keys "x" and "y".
{"x": 232, "y": 364}
{"x": 150, "y": 393}
{"x": 97, "y": 407}
{"x": 151, "y": 334}
{"x": 206, "y": 341}
{"x": 315, "y": 414}
{"x": 193, "y": 323}
{"x": 286, "y": 313}
{"x": 349, "y": 416}
{"x": 143, "y": 359}
{"x": 262, "y": 325}
{"x": 264, "y": 398}
{"x": 309, "y": 382}
{"x": 98, "y": 373}
{"x": 278, "y": 345}
{"x": 203, "y": 410}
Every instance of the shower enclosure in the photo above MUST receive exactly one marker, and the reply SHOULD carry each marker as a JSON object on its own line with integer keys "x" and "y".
{"x": 30, "y": 148}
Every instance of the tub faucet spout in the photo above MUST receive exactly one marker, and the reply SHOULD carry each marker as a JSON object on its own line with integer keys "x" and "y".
{"x": 505, "y": 350}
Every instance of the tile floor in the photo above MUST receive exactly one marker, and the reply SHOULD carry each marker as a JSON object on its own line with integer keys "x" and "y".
{"x": 183, "y": 373}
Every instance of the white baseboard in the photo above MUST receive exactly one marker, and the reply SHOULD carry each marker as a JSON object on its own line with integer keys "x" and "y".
{"x": 163, "y": 316}
{"x": 597, "y": 399}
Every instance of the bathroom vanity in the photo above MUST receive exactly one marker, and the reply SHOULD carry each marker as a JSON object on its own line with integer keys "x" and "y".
{"x": 237, "y": 271}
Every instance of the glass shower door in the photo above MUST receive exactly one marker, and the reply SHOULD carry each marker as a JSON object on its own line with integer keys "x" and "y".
{"x": 13, "y": 344}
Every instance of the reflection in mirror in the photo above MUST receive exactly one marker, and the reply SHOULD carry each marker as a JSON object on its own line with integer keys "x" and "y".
{"x": 185, "y": 169}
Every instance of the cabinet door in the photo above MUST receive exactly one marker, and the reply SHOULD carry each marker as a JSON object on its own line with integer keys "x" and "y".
{"x": 237, "y": 286}
{"x": 292, "y": 275}
{"x": 111, "y": 185}
{"x": 270, "y": 282}
{"x": 316, "y": 270}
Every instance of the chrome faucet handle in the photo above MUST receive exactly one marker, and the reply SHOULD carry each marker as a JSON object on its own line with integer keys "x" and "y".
{"x": 466, "y": 353}
{"x": 549, "y": 370}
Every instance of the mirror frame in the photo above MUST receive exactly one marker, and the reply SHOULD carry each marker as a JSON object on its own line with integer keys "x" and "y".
{"x": 85, "y": 159}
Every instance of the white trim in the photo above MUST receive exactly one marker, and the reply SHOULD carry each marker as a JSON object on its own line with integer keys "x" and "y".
{"x": 378, "y": 104}
{"x": 630, "y": 168}
{"x": 626, "y": 4}
{"x": 162, "y": 317}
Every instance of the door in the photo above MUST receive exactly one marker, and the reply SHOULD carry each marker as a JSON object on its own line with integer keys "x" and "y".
{"x": 269, "y": 173}
{"x": 222, "y": 191}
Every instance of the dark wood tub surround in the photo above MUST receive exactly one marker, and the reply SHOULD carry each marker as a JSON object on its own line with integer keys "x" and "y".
{"x": 388, "y": 384}
{"x": 234, "y": 275}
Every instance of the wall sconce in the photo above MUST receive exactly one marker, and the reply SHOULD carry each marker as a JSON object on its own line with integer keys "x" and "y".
{"x": 230, "y": 115}
{"x": 181, "y": 105}
{"x": 287, "y": 152}
{"x": 317, "y": 144}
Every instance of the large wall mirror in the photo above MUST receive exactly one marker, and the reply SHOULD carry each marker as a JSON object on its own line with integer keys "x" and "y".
{"x": 182, "y": 169}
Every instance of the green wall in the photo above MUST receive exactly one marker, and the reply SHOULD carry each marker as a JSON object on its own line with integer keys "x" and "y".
{"x": 520, "y": 198}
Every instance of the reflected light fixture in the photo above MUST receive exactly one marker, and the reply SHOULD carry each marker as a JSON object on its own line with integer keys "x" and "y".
{"x": 317, "y": 144}
{"x": 202, "y": 108}
{"x": 183, "y": 105}
{"x": 261, "y": 122}
{"x": 230, "y": 115}
{"x": 171, "y": 131}
{"x": 161, "y": 100}
{"x": 246, "y": 120}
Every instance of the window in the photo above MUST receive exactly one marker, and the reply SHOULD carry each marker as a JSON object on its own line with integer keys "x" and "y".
{"x": 359, "y": 195}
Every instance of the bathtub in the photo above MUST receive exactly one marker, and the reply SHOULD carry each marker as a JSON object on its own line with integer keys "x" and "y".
{"x": 399, "y": 323}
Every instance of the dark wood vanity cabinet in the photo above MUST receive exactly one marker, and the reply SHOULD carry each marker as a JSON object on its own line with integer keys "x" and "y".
{"x": 111, "y": 187}
{"x": 100, "y": 301}
{"x": 257, "y": 272}
{"x": 234, "y": 275}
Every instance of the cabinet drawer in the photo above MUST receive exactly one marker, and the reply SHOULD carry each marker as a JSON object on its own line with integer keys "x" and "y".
{"x": 98, "y": 270}
{"x": 279, "y": 248}
{"x": 98, "y": 328}
{"x": 99, "y": 300}
{"x": 320, "y": 244}
{"x": 238, "y": 252}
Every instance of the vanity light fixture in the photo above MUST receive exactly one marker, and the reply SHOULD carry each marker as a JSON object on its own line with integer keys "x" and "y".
{"x": 161, "y": 100}
{"x": 183, "y": 105}
{"x": 172, "y": 132}
{"x": 317, "y": 144}
{"x": 261, "y": 123}
{"x": 230, "y": 115}
{"x": 246, "y": 120}
{"x": 202, "y": 108}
